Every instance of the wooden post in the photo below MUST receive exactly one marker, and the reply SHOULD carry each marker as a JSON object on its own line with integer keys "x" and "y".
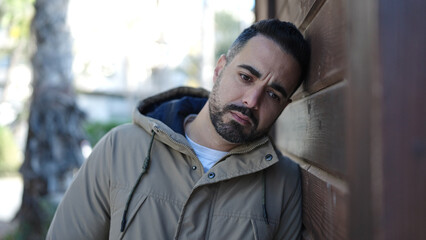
{"x": 386, "y": 130}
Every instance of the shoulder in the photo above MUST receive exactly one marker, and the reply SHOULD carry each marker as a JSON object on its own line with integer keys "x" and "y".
{"x": 126, "y": 129}
{"x": 287, "y": 165}
{"x": 123, "y": 138}
{"x": 286, "y": 171}
{"x": 126, "y": 132}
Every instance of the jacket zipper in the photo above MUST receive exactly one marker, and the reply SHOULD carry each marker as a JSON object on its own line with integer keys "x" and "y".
{"x": 216, "y": 189}
{"x": 183, "y": 145}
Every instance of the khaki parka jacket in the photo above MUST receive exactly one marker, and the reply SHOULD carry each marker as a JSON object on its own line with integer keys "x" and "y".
{"x": 147, "y": 172}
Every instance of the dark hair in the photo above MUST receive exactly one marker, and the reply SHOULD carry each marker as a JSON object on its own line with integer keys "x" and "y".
{"x": 285, "y": 34}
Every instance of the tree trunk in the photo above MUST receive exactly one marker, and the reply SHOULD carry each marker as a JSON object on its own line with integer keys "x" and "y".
{"x": 53, "y": 144}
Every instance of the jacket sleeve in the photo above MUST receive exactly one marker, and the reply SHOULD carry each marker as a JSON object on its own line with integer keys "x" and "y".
{"x": 291, "y": 216}
{"x": 84, "y": 212}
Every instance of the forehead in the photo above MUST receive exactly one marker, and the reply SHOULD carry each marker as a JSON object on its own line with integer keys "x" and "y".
{"x": 269, "y": 59}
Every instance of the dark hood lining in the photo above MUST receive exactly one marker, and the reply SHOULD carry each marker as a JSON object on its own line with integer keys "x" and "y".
{"x": 173, "y": 106}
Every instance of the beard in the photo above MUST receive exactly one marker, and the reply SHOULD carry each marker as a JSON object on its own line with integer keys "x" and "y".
{"x": 232, "y": 131}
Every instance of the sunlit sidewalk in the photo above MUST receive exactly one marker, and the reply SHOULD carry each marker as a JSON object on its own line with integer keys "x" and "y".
{"x": 11, "y": 196}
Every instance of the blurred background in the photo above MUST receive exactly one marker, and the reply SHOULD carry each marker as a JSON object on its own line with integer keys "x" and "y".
{"x": 72, "y": 70}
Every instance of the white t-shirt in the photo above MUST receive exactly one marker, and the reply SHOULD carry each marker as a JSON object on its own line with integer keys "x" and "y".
{"x": 207, "y": 156}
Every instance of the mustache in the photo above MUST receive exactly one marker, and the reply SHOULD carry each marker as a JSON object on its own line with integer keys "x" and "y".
{"x": 244, "y": 110}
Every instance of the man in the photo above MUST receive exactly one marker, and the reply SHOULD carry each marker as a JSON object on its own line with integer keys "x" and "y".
{"x": 192, "y": 168}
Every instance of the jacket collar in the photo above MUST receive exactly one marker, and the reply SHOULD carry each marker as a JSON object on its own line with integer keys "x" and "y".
{"x": 164, "y": 113}
{"x": 242, "y": 161}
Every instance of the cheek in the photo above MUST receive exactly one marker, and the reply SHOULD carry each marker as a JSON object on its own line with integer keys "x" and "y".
{"x": 230, "y": 91}
{"x": 268, "y": 116}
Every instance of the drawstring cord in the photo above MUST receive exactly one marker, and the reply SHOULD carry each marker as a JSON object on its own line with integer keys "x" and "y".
{"x": 265, "y": 212}
{"x": 144, "y": 169}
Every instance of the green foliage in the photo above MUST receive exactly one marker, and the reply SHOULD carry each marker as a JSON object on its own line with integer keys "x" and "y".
{"x": 96, "y": 130}
{"x": 23, "y": 231}
{"x": 27, "y": 230}
{"x": 227, "y": 29}
{"x": 10, "y": 155}
{"x": 15, "y": 15}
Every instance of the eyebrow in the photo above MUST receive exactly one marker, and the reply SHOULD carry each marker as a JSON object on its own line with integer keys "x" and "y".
{"x": 251, "y": 70}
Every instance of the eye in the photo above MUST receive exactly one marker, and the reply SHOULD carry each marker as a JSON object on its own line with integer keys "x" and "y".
{"x": 245, "y": 77}
{"x": 273, "y": 96}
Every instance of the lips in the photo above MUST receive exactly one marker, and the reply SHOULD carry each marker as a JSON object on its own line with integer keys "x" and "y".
{"x": 242, "y": 115}
{"x": 241, "y": 118}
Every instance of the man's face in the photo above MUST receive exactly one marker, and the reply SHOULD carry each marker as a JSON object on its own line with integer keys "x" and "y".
{"x": 251, "y": 91}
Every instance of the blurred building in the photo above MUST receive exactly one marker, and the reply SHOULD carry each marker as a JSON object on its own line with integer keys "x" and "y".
{"x": 133, "y": 49}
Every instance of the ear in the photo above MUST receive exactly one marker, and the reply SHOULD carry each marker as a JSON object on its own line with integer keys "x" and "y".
{"x": 220, "y": 65}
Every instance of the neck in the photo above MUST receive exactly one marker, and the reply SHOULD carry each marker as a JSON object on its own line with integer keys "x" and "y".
{"x": 202, "y": 131}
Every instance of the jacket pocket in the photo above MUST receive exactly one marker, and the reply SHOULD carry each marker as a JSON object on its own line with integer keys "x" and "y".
{"x": 150, "y": 216}
{"x": 262, "y": 230}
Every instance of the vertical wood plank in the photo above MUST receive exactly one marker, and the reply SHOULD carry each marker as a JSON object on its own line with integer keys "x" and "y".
{"x": 403, "y": 69}
{"x": 261, "y": 9}
{"x": 363, "y": 134}
{"x": 386, "y": 119}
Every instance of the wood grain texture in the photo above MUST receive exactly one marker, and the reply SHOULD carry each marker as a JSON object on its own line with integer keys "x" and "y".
{"x": 363, "y": 122}
{"x": 325, "y": 204}
{"x": 261, "y": 9}
{"x": 404, "y": 118}
{"x": 295, "y": 11}
{"x": 386, "y": 127}
{"x": 327, "y": 36}
{"x": 313, "y": 129}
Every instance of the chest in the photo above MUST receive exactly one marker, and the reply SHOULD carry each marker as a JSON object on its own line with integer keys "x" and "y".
{"x": 175, "y": 199}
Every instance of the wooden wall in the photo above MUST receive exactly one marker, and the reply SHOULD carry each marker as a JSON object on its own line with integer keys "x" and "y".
{"x": 311, "y": 129}
{"x": 358, "y": 125}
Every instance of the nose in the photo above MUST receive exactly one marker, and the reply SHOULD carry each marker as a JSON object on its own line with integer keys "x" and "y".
{"x": 251, "y": 98}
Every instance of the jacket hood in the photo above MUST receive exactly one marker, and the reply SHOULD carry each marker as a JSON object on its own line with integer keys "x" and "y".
{"x": 168, "y": 110}
{"x": 173, "y": 106}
